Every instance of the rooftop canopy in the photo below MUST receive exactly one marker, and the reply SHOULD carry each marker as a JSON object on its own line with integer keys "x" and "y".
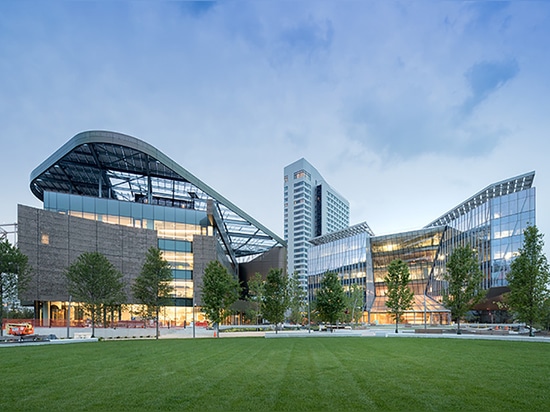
{"x": 117, "y": 166}
{"x": 513, "y": 185}
{"x": 342, "y": 234}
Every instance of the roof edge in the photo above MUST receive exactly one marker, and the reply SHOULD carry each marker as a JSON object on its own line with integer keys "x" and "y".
{"x": 103, "y": 136}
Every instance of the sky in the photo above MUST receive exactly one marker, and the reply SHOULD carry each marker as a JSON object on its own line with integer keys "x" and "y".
{"x": 407, "y": 108}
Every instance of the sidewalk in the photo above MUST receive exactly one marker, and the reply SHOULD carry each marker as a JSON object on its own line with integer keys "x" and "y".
{"x": 201, "y": 332}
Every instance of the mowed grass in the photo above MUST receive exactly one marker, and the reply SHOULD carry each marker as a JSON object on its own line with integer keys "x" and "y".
{"x": 294, "y": 374}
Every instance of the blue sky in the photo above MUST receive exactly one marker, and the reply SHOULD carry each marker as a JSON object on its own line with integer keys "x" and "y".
{"x": 407, "y": 108}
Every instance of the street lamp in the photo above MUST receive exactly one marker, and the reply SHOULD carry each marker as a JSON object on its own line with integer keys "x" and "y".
{"x": 69, "y": 316}
{"x": 194, "y": 316}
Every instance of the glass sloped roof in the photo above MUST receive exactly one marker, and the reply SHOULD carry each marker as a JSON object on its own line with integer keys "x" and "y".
{"x": 113, "y": 165}
{"x": 343, "y": 233}
{"x": 505, "y": 187}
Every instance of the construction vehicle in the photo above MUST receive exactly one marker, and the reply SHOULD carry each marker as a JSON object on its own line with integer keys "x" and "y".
{"x": 20, "y": 329}
{"x": 22, "y": 333}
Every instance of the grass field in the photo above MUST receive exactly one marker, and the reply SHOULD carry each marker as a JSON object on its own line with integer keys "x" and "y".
{"x": 293, "y": 374}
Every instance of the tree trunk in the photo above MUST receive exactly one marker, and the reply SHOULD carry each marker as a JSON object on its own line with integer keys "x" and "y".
{"x": 458, "y": 331}
{"x": 157, "y": 335}
{"x": 396, "y": 324}
{"x": 93, "y": 321}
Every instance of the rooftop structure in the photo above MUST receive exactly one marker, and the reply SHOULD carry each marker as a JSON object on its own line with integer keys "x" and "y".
{"x": 116, "y": 166}
{"x": 505, "y": 187}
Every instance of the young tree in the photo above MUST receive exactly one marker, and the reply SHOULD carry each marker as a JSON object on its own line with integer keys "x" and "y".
{"x": 14, "y": 275}
{"x": 219, "y": 291}
{"x": 296, "y": 299}
{"x": 255, "y": 297}
{"x": 95, "y": 282}
{"x": 464, "y": 283}
{"x": 276, "y": 297}
{"x": 152, "y": 288}
{"x": 330, "y": 300}
{"x": 400, "y": 296}
{"x": 528, "y": 279}
{"x": 355, "y": 303}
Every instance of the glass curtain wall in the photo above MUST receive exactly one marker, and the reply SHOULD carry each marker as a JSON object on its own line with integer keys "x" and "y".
{"x": 495, "y": 229}
{"x": 175, "y": 228}
{"x": 419, "y": 250}
{"x": 510, "y": 216}
{"x": 350, "y": 258}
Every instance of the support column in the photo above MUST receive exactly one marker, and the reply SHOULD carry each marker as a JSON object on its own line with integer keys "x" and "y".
{"x": 45, "y": 314}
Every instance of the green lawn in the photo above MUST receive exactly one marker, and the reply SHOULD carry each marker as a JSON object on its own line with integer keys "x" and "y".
{"x": 239, "y": 374}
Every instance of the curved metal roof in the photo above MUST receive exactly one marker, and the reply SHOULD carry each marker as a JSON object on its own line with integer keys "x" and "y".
{"x": 113, "y": 165}
{"x": 505, "y": 187}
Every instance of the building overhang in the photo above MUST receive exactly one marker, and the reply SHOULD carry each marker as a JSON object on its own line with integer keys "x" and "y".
{"x": 117, "y": 166}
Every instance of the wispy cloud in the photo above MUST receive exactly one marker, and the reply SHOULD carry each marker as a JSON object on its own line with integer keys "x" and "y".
{"x": 484, "y": 78}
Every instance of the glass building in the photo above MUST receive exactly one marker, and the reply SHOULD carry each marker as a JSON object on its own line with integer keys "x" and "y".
{"x": 109, "y": 192}
{"x": 311, "y": 208}
{"x": 492, "y": 221}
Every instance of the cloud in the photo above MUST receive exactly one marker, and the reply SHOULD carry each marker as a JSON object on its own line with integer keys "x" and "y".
{"x": 197, "y": 8}
{"x": 306, "y": 39}
{"x": 484, "y": 78}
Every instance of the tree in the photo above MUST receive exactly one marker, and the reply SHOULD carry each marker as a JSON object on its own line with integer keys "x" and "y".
{"x": 14, "y": 275}
{"x": 528, "y": 279}
{"x": 255, "y": 297}
{"x": 464, "y": 279}
{"x": 152, "y": 288}
{"x": 219, "y": 291}
{"x": 276, "y": 297}
{"x": 296, "y": 299}
{"x": 400, "y": 296}
{"x": 355, "y": 302}
{"x": 95, "y": 282}
{"x": 330, "y": 300}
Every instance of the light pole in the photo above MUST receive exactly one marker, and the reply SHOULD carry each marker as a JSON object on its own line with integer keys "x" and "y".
{"x": 308, "y": 309}
{"x": 193, "y": 315}
{"x": 69, "y": 316}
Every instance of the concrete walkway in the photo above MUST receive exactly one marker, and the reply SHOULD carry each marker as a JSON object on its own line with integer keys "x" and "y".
{"x": 84, "y": 334}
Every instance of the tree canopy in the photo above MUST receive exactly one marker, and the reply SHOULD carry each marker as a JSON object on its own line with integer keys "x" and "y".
{"x": 399, "y": 295}
{"x": 330, "y": 301}
{"x": 528, "y": 280}
{"x": 153, "y": 287}
{"x": 464, "y": 279}
{"x": 95, "y": 282}
{"x": 355, "y": 303}
{"x": 275, "y": 297}
{"x": 296, "y": 299}
{"x": 219, "y": 291}
{"x": 255, "y": 298}
{"x": 14, "y": 274}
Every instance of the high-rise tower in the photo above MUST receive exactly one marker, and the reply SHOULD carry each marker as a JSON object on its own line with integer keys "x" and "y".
{"x": 312, "y": 208}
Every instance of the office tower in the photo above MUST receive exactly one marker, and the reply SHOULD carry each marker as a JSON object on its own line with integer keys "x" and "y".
{"x": 311, "y": 208}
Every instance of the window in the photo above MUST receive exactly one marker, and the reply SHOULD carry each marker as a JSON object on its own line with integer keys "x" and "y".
{"x": 301, "y": 174}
